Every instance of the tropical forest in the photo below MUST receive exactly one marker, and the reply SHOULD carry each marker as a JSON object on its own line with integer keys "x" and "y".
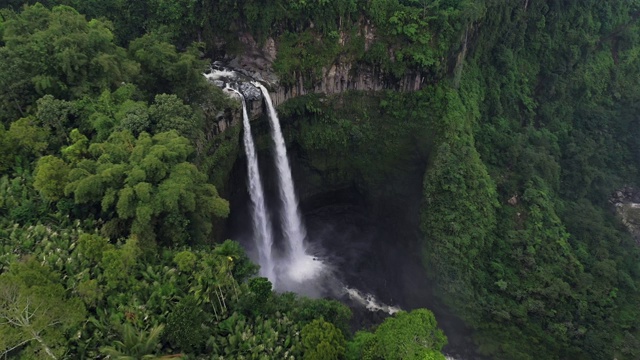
{"x": 320, "y": 179}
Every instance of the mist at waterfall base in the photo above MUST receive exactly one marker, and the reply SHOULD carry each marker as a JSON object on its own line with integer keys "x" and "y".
{"x": 367, "y": 266}
{"x": 364, "y": 257}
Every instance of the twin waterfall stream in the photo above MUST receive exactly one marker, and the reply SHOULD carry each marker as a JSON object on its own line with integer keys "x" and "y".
{"x": 292, "y": 266}
{"x": 261, "y": 224}
{"x": 289, "y": 258}
{"x": 296, "y": 265}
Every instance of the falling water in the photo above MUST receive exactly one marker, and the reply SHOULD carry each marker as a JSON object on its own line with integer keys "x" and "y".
{"x": 299, "y": 265}
{"x": 261, "y": 224}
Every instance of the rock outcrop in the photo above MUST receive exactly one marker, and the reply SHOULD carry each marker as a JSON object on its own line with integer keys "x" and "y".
{"x": 627, "y": 204}
{"x": 256, "y": 61}
{"x": 228, "y": 79}
{"x": 341, "y": 77}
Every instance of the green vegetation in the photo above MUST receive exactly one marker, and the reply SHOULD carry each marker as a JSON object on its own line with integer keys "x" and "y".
{"x": 411, "y": 336}
{"x": 388, "y": 141}
{"x": 530, "y": 257}
{"x": 107, "y": 204}
{"x": 523, "y": 145}
{"x": 110, "y": 172}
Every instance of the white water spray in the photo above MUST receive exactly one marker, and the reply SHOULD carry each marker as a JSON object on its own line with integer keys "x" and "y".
{"x": 221, "y": 74}
{"x": 370, "y": 302}
{"x": 262, "y": 233}
{"x": 299, "y": 265}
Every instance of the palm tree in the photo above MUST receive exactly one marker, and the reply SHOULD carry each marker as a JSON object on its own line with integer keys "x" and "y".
{"x": 137, "y": 345}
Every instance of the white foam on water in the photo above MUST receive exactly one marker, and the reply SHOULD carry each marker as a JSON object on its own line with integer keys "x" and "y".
{"x": 369, "y": 301}
{"x": 220, "y": 74}
{"x": 304, "y": 268}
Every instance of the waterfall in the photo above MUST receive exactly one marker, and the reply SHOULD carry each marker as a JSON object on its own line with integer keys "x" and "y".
{"x": 293, "y": 229}
{"x": 261, "y": 225}
{"x": 299, "y": 264}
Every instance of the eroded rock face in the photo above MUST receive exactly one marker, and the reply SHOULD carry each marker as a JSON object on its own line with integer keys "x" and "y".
{"x": 225, "y": 120}
{"x": 228, "y": 79}
{"x": 341, "y": 77}
{"x": 627, "y": 204}
{"x": 250, "y": 92}
{"x": 256, "y": 62}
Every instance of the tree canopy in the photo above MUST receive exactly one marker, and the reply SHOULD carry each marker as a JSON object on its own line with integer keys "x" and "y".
{"x": 524, "y": 125}
{"x": 143, "y": 187}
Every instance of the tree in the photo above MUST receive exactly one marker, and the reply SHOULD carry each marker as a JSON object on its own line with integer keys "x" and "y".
{"x": 362, "y": 346}
{"x": 51, "y": 177}
{"x": 185, "y": 260}
{"x": 168, "y": 113}
{"x": 181, "y": 18}
{"x": 322, "y": 341}
{"x": 259, "y": 299}
{"x": 21, "y": 143}
{"x": 147, "y": 183}
{"x": 330, "y": 310}
{"x": 165, "y": 70}
{"x": 28, "y": 139}
{"x": 186, "y": 326}
{"x": 99, "y": 116}
{"x": 5, "y": 150}
{"x": 242, "y": 268}
{"x": 55, "y": 116}
{"x": 35, "y": 312}
{"x": 117, "y": 264}
{"x": 409, "y": 336}
{"x": 405, "y": 336}
{"x": 134, "y": 116}
{"x": 57, "y": 52}
{"x": 135, "y": 344}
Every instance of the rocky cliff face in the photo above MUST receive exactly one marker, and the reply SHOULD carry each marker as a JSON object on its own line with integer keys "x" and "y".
{"x": 341, "y": 77}
{"x": 228, "y": 80}
{"x": 627, "y": 204}
{"x": 257, "y": 62}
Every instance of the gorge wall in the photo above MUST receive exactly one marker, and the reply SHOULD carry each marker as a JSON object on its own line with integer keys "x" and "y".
{"x": 343, "y": 74}
{"x": 515, "y": 179}
{"x": 256, "y": 62}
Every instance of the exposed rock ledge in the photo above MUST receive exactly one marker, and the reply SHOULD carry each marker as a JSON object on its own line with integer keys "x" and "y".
{"x": 342, "y": 77}
{"x": 627, "y": 203}
{"x": 257, "y": 62}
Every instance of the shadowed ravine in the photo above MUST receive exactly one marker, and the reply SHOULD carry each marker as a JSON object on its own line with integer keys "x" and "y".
{"x": 338, "y": 242}
{"x": 369, "y": 248}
